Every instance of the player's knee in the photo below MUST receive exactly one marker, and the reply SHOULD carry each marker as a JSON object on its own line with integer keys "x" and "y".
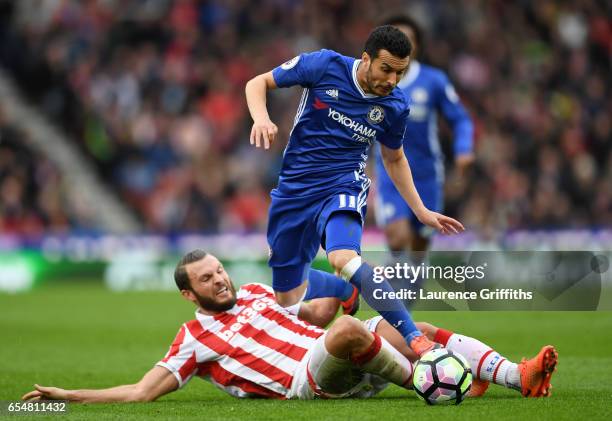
{"x": 339, "y": 258}
{"x": 326, "y": 314}
{"x": 397, "y": 239}
{"x": 348, "y": 331}
{"x": 419, "y": 243}
{"x": 289, "y": 298}
{"x": 319, "y": 312}
{"x": 428, "y": 329}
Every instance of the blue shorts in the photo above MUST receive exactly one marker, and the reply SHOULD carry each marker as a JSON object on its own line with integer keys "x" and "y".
{"x": 390, "y": 206}
{"x": 296, "y": 229}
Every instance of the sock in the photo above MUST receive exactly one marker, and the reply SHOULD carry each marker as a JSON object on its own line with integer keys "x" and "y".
{"x": 322, "y": 284}
{"x": 385, "y": 361}
{"x": 295, "y": 308}
{"x": 413, "y": 259}
{"x": 361, "y": 276}
{"x": 486, "y": 363}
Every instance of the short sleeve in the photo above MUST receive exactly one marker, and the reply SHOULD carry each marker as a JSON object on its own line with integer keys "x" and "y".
{"x": 181, "y": 357}
{"x": 305, "y": 69}
{"x": 394, "y": 137}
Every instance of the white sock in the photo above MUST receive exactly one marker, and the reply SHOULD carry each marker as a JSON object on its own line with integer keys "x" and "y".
{"x": 295, "y": 308}
{"x": 350, "y": 268}
{"x": 486, "y": 363}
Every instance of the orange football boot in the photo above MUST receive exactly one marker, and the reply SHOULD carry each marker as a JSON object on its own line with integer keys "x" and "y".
{"x": 479, "y": 387}
{"x": 351, "y": 306}
{"x": 422, "y": 344}
{"x": 536, "y": 373}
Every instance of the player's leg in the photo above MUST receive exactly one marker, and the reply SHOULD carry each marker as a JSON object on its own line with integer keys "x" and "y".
{"x": 385, "y": 330}
{"x": 348, "y": 350}
{"x": 320, "y": 311}
{"x": 406, "y": 237}
{"x": 293, "y": 285}
{"x": 343, "y": 238}
{"x": 391, "y": 213}
{"x": 398, "y": 235}
{"x": 530, "y": 377}
{"x": 401, "y": 228}
{"x": 322, "y": 284}
{"x": 432, "y": 195}
{"x": 293, "y": 244}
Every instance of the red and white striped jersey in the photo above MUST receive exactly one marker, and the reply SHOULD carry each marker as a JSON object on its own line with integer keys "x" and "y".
{"x": 253, "y": 349}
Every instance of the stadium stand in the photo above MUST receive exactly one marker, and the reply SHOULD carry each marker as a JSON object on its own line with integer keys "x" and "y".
{"x": 153, "y": 92}
{"x": 32, "y": 190}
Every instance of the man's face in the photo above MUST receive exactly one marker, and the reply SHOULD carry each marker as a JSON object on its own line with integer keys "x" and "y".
{"x": 212, "y": 288}
{"x": 384, "y": 72}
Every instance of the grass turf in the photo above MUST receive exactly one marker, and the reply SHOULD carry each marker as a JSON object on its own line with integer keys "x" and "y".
{"x": 82, "y": 336}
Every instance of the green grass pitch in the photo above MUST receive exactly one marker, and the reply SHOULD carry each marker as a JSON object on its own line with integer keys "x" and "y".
{"x": 82, "y": 336}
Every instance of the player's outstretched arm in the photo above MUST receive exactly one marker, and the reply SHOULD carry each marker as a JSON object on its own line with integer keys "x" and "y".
{"x": 263, "y": 131}
{"x": 157, "y": 382}
{"x": 398, "y": 169}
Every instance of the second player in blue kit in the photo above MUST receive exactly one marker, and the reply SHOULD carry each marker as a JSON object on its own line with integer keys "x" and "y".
{"x": 347, "y": 105}
{"x": 431, "y": 95}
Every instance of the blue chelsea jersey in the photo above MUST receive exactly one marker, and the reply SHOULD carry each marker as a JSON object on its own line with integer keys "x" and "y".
{"x": 335, "y": 125}
{"x": 431, "y": 93}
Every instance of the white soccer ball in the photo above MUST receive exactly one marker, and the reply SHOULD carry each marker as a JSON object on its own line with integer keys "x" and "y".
{"x": 442, "y": 376}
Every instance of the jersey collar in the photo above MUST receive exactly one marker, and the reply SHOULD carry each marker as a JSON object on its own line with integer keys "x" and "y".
{"x": 207, "y": 320}
{"x": 411, "y": 75}
{"x": 356, "y": 82}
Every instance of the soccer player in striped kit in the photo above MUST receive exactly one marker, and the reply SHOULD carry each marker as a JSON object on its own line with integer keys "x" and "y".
{"x": 249, "y": 346}
{"x": 347, "y": 105}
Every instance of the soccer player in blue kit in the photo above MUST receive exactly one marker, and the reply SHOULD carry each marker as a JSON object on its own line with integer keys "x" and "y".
{"x": 430, "y": 93}
{"x": 347, "y": 105}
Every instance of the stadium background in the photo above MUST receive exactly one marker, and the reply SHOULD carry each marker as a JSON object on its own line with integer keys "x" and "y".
{"x": 123, "y": 143}
{"x": 148, "y": 97}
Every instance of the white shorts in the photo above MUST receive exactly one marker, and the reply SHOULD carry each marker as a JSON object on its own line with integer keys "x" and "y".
{"x": 320, "y": 374}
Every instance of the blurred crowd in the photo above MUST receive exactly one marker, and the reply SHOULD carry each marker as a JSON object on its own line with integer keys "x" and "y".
{"x": 153, "y": 92}
{"x": 33, "y": 197}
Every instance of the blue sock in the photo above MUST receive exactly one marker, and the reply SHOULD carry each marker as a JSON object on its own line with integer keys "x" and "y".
{"x": 413, "y": 259}
{"x": 394, "y": 311}
{"x": 322, "y": 284}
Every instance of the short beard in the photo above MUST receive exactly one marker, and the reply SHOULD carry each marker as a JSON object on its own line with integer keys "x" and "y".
{"x": 213, "y": 306}
{"x": 368, "y": 80}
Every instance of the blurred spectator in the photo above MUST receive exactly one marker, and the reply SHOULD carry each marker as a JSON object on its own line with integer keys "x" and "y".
{"x": 154, "y": 91}
{"x": 32, "y": 191}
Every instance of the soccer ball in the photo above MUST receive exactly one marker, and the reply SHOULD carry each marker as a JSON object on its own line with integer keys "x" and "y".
{"x": 442, "y": 376}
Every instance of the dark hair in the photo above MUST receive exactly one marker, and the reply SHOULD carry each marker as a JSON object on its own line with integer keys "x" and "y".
{"x": 388, "y": 38}
{"x": 405, "y": 20}
{"x": 180, "y": 274}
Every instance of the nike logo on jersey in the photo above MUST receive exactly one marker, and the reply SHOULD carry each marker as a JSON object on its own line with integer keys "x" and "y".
{"x": 332, "y": 93}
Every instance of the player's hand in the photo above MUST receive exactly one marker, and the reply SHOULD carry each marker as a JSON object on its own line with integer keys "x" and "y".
{"x": 263, "y": 133}
{"x": 44, "y": 392}
{"x": 444, "y": 224}
{"x": 463, "y": 163}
